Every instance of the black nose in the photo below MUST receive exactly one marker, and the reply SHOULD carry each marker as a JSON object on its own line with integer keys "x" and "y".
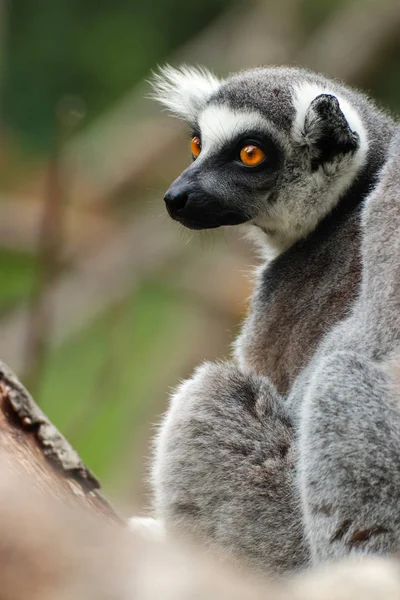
{"x": 176, "y": 200}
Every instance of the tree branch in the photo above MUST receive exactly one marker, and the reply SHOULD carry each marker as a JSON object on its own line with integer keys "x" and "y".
{"x": 30, "y": 444}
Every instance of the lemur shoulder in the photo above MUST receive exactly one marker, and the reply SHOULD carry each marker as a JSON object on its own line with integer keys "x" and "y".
{"x": 297, "y": 157}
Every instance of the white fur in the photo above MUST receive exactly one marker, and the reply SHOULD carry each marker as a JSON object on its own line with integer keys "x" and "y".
{"x": 295, "y": 216}
{"x": 176, "y": 407}
{"x": 179, "y": 407}
{"x": 265, "y": 246}
{"x": 184, "y": 91}
{"x": 298, "y": 214}
{"x": 305, "y": 93}
{"x": 219, "y": 125}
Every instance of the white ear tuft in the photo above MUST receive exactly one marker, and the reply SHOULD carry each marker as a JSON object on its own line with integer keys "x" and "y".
{"x": 184, "y": 91}
{"x": 305, "y": 93}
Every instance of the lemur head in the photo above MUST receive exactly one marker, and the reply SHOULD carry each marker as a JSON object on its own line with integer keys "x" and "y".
{"x": 276, "y": 147}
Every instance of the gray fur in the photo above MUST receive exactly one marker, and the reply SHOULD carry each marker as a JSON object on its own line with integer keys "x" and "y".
{"x": 224, "y": 469}
{"x": 292, "y": 453}
{"x": 301, "y": 182}
{"x": 348, "y": 403}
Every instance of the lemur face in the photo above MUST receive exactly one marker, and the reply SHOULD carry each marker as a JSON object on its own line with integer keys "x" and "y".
{"x": 236, "y": 166}
{"x": 274, "y": 147}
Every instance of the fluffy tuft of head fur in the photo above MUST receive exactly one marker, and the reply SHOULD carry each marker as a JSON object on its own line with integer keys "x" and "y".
{"x": 184, "y": 91}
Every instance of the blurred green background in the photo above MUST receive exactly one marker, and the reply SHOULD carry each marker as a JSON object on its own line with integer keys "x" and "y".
{"x": 105, "y": 304}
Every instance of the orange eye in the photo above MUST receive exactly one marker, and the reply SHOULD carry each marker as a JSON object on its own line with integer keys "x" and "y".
{"x": 196, "y": 146}
{"x": 251, "y": 156}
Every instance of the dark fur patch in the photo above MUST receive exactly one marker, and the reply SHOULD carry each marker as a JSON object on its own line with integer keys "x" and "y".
{"x": 305, "y": 292}
{"x": 359, "y": 538}
{"x": 341, "y": 531}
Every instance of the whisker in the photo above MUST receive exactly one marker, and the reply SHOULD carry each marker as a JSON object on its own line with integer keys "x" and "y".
{"x": 207, "y": 239}
{"x": 186, "y": 235}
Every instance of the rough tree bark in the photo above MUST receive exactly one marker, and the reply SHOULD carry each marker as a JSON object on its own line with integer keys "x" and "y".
{"x": 30, "y": 444}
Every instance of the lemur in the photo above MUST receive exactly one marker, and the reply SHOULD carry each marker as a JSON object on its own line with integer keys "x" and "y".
{"x": 289, "y": 454}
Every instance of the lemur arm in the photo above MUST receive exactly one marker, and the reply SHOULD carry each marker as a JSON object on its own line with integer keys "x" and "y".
{"x": 349, "y": 427}
{"x": 224, "y": 468}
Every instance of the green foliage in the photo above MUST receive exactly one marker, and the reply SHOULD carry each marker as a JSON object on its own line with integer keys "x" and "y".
{"x": 98, "y": 386}
{"x": 314, "y": 12}
{"x": 94, "y": 49}
{"x": 385, "y": 85}
{"x": 17, "y": 274}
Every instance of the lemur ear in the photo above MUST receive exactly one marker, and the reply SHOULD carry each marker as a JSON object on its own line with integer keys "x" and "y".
{"x": 327, "y": 131}
{"x": 184, "y": 91}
